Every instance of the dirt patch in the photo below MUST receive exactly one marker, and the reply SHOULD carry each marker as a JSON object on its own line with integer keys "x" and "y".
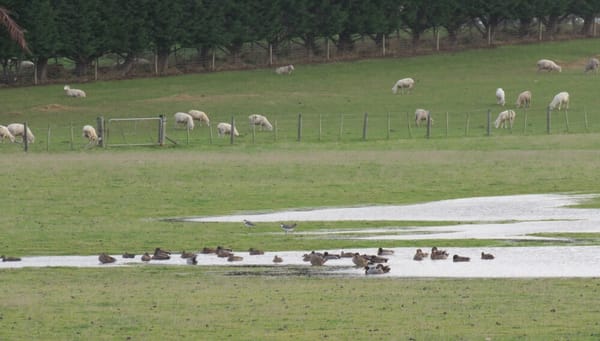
{"x": 53, "y": 108}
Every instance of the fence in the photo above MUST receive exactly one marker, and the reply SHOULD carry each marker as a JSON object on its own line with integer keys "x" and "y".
{"x": 312, "y": 128}
{"x": 261, "y": 54}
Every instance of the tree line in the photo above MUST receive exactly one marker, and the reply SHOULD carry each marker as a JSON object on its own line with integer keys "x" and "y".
{"x": 84, "y": 30}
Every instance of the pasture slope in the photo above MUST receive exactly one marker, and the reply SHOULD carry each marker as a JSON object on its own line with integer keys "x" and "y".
{"x": 90, "y": 200}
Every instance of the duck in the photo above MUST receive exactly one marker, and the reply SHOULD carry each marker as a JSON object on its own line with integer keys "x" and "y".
{"x": 380, "y": 269}
{"x": 223, "y": 253}
{"x": 146, "y": 257}
{"x": 161, "y": 254}
{"x": 10, "y": 259}
{"x": 359, "y": 260}
{"x": 307, "y": 256}
{"x": 346, "y": 254}
{"x": 233, "y": 258}
{"x": 277, "y": 259}
{"x": 207, "y": 250}
{"x": 255, "y": 252}
{"x": 457, "y": 258}
{"x": 377, "y": 259}
{"x": 192, "y": 260}
{"x": 317, "y": 260}
{"x": 329, "y": 256}
{"x": 486, "y": 255}
{"x": 438, "y": 254}
{"x": 420, "y": 255}
{"x": 128, "y": 255}
{"x": 384, "y": 252}
{"x": 288, "y": 228}
{"x": 105, "y": 259}
{"x": 187, "y": 254}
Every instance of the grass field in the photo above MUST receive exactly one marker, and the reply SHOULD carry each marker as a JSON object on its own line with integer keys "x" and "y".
{"x": 91, "y": 200}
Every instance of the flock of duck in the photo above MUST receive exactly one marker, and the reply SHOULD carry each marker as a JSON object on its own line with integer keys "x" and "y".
{"x": 374, "y": 264}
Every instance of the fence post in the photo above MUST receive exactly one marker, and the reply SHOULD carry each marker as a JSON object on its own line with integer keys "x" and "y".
{"x": 585, "y": 119}
{"x": 489, "y": 122}
{"x": 270, "y": 54}
{"x": 162, "y": 129}
{"x": 525, "y": 121}
{"x": 100, "y": 128}
{"x": 231, "y": 132}
{"x": 48, "y": 139}
{"x": 210, "y": 134}
{"x": 71, "y": 135}
{"x": 567, "y": 119}
{"x": 389, "y": 123}
{"x": 365, "y": 123}
{"x": 447, "y": 123}
{"x": 548, "y": 120}
{"x": 25, "y": 137}
{"x": 212, "y": 66}
{"x": 428, "y": 124}
{"x": 299, "y": 127}
{"x": 328, "y": 55}
{"x": 253, "y": 133}
{"x": 383, "y": 44}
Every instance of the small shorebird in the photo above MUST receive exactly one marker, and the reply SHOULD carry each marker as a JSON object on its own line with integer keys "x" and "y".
{"x": 105, "y": 259}
{"x": 288, "y": 228}
{"x": 248, "y": 223}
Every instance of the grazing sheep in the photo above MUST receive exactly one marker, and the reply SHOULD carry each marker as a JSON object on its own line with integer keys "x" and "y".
{"x": 524, "y": 99}
{"x": 561, "y": 99}
{"x": 592, "y": 65}
{"x": 25, "y": 64}
{"x": 261, "y": 121}
{"x": 404, "y": 83}
{"x": 503, "y": 117}
{"x": 546, "y": 64}
{"x": 18, "y": 129}
{"x": 73, "y": 92}
{"x": 225, "y": 129}
{"x": 199, "y": 116}
{"x": 184, "y": 119}
{"x": 500, "y": 99}
{"x": 284, "y": 70}
{"x": 90, "y": 133}
{"x": 421, "y": 115}
{"x": 5, "y": 134}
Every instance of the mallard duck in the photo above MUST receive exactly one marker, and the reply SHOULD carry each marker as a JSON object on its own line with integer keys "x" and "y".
{"x": 10, "y": 259}
{"x": 377, "y": 259}
{"x": 317, "y": 260}
{"x": 277, "y": 259}
{"x": 161, "y": 254}
{"x": 438, "y": 254}
{"x": 359, "y": 260}
{"x": 255, "y": 252}
{"x": 223, "y": 253}
{"x": 487, "y": 256}
{"x": 420, "y": 255}
{"x": 457, "y": 258}
{"x": 233, "y": 258}
{"x": 192, "y": 260}
{"x": 105, "y": 259}
{"x": 380, "y": 269}
{"x": 384, "y": 252}
{"x": 146, "y": 257}
{"x": 128, "y": 255}
{"x": 187, "y": 254}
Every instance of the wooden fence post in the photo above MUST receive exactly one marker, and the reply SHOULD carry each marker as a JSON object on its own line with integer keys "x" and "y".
{"x": 299, "y": 127}
{"x": 231, "y": 133}
{"x": 365, "y": 123}
{"x": 100, "y": 128}
{"x": 48, "y": 139}
{"x": 447, "y": 123}
{"x": 253, "y": 133}
{"x": 525, "y": 121}
{"x": 585, "y": 119}
{"x": 567, "y": 119}
{"x": 428, "y": 124}
{"x": 389, "y": 125}
{"x": 71, "y": 135}
{"x": 489, "y": 122}
{"x": 548, "y": 120}
{"x": 25, "y": 137}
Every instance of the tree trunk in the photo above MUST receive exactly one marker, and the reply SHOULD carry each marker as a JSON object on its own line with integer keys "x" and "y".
{"x": 162, "y": 60}
{"x": 345, "y": 42}
{"x": 524, "y": 25}
{"x": 127, "y": 64}
{"x": 42, "y": 69}
{"x": 588, "y": 25}
{"x": 81, "y": 67}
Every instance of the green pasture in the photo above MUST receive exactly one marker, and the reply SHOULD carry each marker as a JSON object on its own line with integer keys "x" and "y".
{"x": 90, "y": 200}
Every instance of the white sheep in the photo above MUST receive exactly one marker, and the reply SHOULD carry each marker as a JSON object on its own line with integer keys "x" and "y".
{"x": 561, "y": 99}
{"x": 284, "y": 70}
{"x": 261, "y": 121}
{"x": 592, "y": 65}
{"x": 18, "y": 129}
{"x": 404, "y": 83}
{"x": 184, "y": 119}
{"x": 225, "y": 129}
{"x": 549, "y": 65}
{"x": 26, "y": 64}
{"x": 421, "y": 115}
{"x": 73, "y": 92}
{"x": 500, "y": 98}
{"x": 89, "y": 133}
{"x": 503, "y": 117}
{"x": 524, "y": 99}
{"x": 5, "y": 134}
{"x": 199, "y": 116}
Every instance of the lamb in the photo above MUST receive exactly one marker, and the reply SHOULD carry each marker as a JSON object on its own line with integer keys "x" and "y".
{"x": 5, "y": 134}
{"x": 90, "y": 133}
{"x": 500, "y": 99}
{"x": 404, "y": 83}
{"x": 524, "y": 99}
{"x": 185, "y": 119}
{"x": 199, "y": 116}
{"x": 421, "y": 115}
{"x": 74, "y": 92}
{"x": 503, "y": 117}
{"x": 547, "y": 64}
{"x": 18, "y": 129}
{"x": 261, "y": 121}
{"x": 561, "y": 99}
{"x": 284, "y": 70}
{"x": 225, "y": 129}
{"x": 592, "y": 65}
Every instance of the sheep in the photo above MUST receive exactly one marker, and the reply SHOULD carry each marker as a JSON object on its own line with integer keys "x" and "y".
{"x": 404, "y": 83}
{"x": 592, "y": 65}
{"x": 199, "y": 116}
{"x": 185, "y": 119}
{"x": 74, "y": 92}
{"x": 26, "y": 64}
{"x": 421, "y": 115}
{"x": 284, "y": 70}
{"x": 546, "y": 64}
{"x": 90, "y": 133}
{"x": 524, "y": 99}
{"x": 5, "y": 134}
{"x": 500, "y": 98}
{"x": 18, "y": 129}
{"x": 225, "y": 129}
{"x": 261, "y": 121}
{"x": 561, "y": 99}
{"x": 503, "y": 117}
